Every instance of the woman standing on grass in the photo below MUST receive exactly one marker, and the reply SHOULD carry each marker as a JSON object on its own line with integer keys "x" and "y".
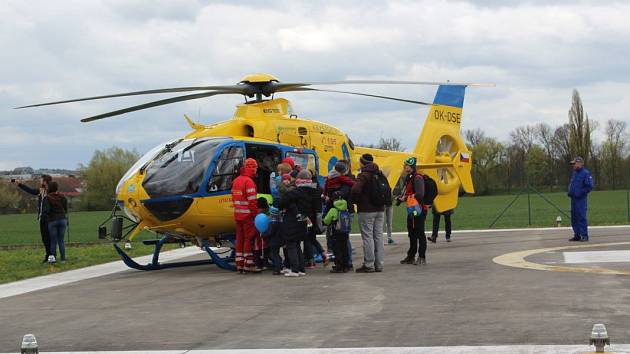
{"x": 55, "y": 208}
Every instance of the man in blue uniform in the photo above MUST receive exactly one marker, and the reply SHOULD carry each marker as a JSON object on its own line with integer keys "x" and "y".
{"x": 579, "y": 188}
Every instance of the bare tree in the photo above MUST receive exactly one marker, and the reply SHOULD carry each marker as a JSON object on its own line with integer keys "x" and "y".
{"x": 580, "y": 129}
{"x": 391, "y": 144}
{"x": 613, "y": 150}
{"x": 474, "y": 137}
{"x": 524, "y": 137}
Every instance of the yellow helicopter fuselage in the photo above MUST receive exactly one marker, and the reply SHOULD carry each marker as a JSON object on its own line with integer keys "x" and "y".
{"x": 200, "y": 205}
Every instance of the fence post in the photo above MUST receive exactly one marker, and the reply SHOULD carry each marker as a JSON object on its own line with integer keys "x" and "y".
{"x": 529, "y": 207}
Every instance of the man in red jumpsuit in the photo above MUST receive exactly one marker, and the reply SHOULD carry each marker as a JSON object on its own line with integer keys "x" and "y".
{"x": 245, "y": 210}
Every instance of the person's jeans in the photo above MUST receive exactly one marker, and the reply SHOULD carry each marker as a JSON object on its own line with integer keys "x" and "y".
{"x": 371, "y": 225}
{"x": 275, "y": 258}
{"x": 296, "y": 258}
{"x": 436, "y": 225}
{"x": 312, "y": 247}
{"x": 56, "y": 230}
{"x": 415, "y": 227}
{"x": 389, "y": 216}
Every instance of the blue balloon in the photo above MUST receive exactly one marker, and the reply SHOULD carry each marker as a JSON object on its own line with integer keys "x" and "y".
{"x": 262, "y": 222}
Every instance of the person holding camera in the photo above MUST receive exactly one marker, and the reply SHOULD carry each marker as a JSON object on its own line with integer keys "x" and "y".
{"x": 55, "y": 210}
{"x": 43, "y": 223}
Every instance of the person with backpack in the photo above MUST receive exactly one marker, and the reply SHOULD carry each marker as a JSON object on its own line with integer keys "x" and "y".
{"x": 338, "y": 219}
{"x": 339, "y": 181}
{"x": 369, "y": 194}
{"x": 414, "y": 195}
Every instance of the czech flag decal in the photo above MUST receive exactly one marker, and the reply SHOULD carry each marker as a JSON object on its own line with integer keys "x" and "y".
{"x": 464, "y": 157}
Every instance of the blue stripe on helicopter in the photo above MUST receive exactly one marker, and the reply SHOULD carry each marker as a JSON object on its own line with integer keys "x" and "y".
{"x": 450, "y": 95}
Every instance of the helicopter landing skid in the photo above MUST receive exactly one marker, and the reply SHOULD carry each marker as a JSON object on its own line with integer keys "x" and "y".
{"x": 223, "y": 263}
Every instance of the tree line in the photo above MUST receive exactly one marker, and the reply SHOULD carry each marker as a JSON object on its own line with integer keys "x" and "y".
{"x": 538, "y": 155}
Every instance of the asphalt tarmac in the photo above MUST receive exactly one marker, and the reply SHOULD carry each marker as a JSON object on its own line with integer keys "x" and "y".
{"x": 460, "y": 298}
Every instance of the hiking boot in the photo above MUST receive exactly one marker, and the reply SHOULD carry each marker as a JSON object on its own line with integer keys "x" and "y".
{"x": 584, "y": 239}
{"x": 378, "y": 270}
{"x": 432, "y": 238}
{"x": 575, "y": 239}
{"x": 391, "y": 241}
{"x": 365, "y": 269}
{"x": 421, "y": 261}
{"x": 407, "y": 260}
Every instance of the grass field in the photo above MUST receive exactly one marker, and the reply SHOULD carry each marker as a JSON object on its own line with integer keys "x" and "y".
{"x": 605, "y": 208}
{"x": 26, "y": 263}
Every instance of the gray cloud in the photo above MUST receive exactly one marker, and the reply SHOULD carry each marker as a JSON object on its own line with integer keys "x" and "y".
{"x": 535, "y": 52}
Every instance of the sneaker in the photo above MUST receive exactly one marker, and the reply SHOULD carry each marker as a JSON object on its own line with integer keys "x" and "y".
{"x": 291, "y": 274}
{"x": 422, "y": 261}
{"x": 52, "y": 259}
{"x": 584, "y": 239}
{"x": 335, "y": 270}
{"x": 575, "y": 239}
{"x": 391, "y": 241}
{"x": 285, "y": 271}
{"x": 301, "y": 274}
{"x": 275, "y": 272}
{"x": 407, "y": 260}
{"x": 365, "y": 269}
{"x": 448, "y": 239}
{"x": 433, "y": 239}
{"x": 378, "y": 270}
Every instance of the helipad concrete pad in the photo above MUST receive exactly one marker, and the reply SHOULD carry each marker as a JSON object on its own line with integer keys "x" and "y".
{"x": 461, "y": 298}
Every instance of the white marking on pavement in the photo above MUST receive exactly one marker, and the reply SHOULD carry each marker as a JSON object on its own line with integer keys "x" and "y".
{"x": 597, "y": 257}
{"x": 496, "y": 349}
{"x": 71, "y": 276}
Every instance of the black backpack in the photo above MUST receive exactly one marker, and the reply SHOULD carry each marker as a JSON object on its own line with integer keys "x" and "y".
{"x": 380, "y": 192}
{"x": 430, "y": 190}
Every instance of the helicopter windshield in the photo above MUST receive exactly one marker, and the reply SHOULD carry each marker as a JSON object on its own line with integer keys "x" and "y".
{"x": 145, "y": 159}
{"x": 179, "y": 168}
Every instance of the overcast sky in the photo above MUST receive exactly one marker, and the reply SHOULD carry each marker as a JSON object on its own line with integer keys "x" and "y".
{"x": 536, "y": 54}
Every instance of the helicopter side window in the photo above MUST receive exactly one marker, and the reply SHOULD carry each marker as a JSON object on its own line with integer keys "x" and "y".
{"x": 226, "y": 170}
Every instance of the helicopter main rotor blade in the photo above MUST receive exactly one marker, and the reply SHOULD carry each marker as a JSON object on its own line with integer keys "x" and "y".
{"x": 359, "y": 94}
{"x": 237, "y": 89}
{"x": 391, "y": 82}
{"x": 155, "y": 104}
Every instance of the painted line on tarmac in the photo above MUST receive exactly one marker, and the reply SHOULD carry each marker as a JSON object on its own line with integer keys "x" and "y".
{"x": 517, "y": 260}
{"x": 71, "y": 276}
{"x": 525, "y": 229}
{"x": 511, "y": 349}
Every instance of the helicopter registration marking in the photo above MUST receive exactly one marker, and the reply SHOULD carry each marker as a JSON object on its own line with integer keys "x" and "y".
{"x": 450, "y": 117}
{"x": 326, "y": 140}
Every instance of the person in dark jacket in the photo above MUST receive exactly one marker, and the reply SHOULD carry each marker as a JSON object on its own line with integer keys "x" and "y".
{"x": 436, "y": 224}
{"x": 55, "y": 210}
{"x": 312, "y": 247}
{"x": 416, "y": 213}
{"x": 43, "y": 223}
{"x": 339, "y": 182}
{"x": 295, "y": 225}
{"x": 370, "y": 217}
{"x": 579, "y": 188}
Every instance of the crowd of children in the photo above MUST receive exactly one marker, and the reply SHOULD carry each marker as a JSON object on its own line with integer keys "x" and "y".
{"x": 301, "y": 209}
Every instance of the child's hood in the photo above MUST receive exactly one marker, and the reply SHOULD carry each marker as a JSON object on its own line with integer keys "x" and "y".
{"x": 341, "y": 204}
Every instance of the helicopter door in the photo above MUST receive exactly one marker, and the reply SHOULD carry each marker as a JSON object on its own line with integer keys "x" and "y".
{"x": 226, "y": 169}
{"x": 268, "y": 157}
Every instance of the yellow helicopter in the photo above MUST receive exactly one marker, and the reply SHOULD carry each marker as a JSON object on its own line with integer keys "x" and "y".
{"x": 181, "y": 190}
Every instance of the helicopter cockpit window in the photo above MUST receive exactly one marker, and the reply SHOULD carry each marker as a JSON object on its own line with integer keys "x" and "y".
{"x": 180, "y": 168}
{"x": 226, "y": 170}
